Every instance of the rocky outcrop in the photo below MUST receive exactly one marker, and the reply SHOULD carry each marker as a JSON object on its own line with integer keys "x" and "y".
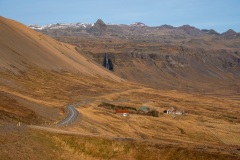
{"x": 230, "y": 34}
{"x": 211, "y": 31}
{"x": 98, "y": 28}
{"x": 168, "y": 70}
{"x": 191, "y": 30}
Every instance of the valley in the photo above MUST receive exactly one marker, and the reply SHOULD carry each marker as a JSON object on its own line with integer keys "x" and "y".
{"x": 182, "y": 68}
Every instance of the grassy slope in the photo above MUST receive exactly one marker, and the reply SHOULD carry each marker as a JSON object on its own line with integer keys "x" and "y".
{"x": 40, "y": 76}
{"x": 47, "y": 93}
{"x": 208, "y": 120}
{"x": 26, "y": 143}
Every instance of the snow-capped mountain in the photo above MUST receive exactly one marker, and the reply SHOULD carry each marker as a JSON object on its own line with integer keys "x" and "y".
{"x": 36, "y": 27}
{"x": 79, "y": 25}
{"x": 137, "y": 30}
{"x": 61, "y": 26}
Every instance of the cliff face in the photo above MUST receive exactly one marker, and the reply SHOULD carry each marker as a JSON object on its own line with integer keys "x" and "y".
{"x": 180, "y": 70}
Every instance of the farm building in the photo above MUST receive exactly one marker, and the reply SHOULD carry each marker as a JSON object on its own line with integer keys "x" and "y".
{"x": 172, "y": 110}
{"x": 122, "y": 112}
{"x": 143, "y": 109}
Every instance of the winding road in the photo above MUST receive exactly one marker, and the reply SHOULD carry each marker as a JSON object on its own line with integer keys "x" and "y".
{"x": 72, "y": 115}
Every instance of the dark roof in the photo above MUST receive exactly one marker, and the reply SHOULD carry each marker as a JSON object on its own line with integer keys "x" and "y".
{"x": 144, "y": 108}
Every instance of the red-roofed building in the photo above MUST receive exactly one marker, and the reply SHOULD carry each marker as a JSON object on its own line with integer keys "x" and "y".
{"x": 122, "y": 112}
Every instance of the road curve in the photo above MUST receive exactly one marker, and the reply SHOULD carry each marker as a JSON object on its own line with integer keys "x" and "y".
{"x": 72, "y": 115}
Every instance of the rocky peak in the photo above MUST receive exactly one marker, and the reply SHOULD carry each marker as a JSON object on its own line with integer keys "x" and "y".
{"x": 99, "y": 28}
{"x": 229, "y": 32}
{"x": 100, "y": 23}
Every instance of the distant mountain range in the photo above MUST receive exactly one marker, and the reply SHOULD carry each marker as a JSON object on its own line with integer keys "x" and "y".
{"x": 99, "y": 28}
{"x": 157, "y": 56}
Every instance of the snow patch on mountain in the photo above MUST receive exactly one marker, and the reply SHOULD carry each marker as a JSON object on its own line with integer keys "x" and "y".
{"x": 61, "y": 26}
{"x": 138, "y": 24}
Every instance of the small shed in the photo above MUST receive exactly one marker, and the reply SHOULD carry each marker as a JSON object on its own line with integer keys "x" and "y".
{"x": 122, "y": 112}
{"x": 172, "y": 110}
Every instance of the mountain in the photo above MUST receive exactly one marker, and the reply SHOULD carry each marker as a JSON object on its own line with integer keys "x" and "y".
{"x": 190, "y": 30}
{"x": 100, "y": 24}
{"x": 163, "y": 56}
{"x": 230, "y": 33}
{"x": 99, "y": 28}
{"x": 61, "y": 26}
{"x": 42, "y": 80}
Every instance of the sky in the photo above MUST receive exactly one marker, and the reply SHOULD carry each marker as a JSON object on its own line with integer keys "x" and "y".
{"x": 220, "y": 15}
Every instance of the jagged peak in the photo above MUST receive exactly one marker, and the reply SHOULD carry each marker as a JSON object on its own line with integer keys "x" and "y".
{"x": 100, "y": 23}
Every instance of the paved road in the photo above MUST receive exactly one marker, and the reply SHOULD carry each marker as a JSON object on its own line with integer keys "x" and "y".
{"x": 72, "y": 115}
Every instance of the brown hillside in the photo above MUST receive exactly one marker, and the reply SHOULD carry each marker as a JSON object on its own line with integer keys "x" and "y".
{"x": 39, "y": 74}
{"x": 21, "y": 47}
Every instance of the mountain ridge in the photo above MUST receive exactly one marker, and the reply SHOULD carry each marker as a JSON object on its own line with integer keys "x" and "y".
{"x": 164, "y": 56}
{"x": 86, "y": 25}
